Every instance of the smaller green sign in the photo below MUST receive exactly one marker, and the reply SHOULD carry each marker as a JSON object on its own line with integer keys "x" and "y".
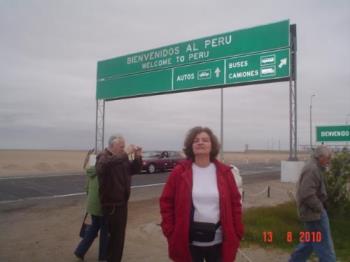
{"x": 333, "y": 133}
{"x": 199, "y": 75}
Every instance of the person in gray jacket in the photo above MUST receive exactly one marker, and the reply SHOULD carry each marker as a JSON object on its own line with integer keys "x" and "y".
{"x": 311, "y": 201}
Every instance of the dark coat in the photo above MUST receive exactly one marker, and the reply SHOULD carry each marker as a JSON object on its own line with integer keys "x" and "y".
{"x": 114, "y": 177}
{"x": 175, "y": 207}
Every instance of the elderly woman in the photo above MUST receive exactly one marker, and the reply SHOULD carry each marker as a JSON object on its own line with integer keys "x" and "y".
{"x": 200, "y": 204}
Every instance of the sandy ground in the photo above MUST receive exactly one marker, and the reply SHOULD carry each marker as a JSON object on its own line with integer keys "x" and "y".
{"x": 47, "y": 229}
{"x": 46, "y": 162}
{"x": 36, "y": 162}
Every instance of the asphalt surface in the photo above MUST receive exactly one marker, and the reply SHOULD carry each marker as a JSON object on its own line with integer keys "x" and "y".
{"x": 20, "y": 188}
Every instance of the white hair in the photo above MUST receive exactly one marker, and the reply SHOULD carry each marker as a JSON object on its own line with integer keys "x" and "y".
{"x": 322, "y": 151}
{"x": 114, "y": 138}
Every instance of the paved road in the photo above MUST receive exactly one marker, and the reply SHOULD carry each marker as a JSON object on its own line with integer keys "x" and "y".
{"x": 14, "y": 189}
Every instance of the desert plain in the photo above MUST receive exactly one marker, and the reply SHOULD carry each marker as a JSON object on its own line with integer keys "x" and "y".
{"x": 47, "y": 229}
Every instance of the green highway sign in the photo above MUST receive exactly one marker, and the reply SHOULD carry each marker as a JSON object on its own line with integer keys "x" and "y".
{"x": 333, "y": 133}
{"x": 261, "y": 67}
{"x": 245, "y": 41}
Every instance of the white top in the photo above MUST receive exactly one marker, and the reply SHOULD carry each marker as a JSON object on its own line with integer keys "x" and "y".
{"x": 205, "y": 197}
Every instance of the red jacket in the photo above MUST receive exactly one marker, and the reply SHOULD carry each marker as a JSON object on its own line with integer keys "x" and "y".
{"x": 175, "y": 208}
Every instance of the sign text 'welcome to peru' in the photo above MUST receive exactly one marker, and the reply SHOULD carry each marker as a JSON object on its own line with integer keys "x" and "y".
{"x": 258, "y": 54}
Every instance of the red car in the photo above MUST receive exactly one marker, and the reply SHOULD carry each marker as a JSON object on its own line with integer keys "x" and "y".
{"x": 153, "y": 161}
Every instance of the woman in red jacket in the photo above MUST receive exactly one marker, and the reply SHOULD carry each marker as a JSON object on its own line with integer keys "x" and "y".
{"x": 200, "y": 204}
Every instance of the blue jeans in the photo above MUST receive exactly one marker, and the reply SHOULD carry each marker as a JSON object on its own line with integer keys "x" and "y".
{"x": 98, "y": 223}
{"x": 323, "y": 249}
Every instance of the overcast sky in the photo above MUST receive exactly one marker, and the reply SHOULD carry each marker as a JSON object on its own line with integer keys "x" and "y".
{"x": 49, "y": 53}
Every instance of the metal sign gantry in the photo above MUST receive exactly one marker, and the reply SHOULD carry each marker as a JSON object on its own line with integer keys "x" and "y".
{"x": 206, "y": 63}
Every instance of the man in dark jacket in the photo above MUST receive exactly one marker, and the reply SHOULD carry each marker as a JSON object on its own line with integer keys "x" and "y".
{"x": 311, "y": 199}
{"x": 114, "y": 170}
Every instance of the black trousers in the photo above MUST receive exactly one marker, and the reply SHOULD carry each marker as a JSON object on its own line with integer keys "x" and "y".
{"x": 208, "y": 254}
{"x": 116, "y": 224}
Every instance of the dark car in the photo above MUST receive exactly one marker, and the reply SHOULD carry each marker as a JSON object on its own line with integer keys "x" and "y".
{"x": 154, "y": 161}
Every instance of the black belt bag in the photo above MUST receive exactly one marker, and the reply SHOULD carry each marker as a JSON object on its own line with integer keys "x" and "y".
{"x": 203, "y": 232}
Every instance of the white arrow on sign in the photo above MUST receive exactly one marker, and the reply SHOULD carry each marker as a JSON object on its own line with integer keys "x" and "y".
{"x": 282, "y": 62}
{"x": 217, "y": 72}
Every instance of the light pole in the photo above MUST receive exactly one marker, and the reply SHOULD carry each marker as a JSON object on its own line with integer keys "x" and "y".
{"x": 311, "y": 120}
{"x": 346, "y": 123}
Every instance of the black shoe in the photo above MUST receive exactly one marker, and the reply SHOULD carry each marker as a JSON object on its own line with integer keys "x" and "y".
{"x": 81, "y": 258}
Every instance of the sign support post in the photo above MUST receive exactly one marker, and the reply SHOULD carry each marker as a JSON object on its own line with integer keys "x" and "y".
{"x": 100, "y": 125}
{"x": 222, "y": 126}
{"x": 293, "y": 140}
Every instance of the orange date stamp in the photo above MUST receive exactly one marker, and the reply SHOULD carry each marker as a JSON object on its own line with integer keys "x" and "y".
{"x": 302, "y": 236}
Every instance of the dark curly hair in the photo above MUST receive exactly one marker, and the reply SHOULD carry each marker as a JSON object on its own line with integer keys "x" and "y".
{"x": 192, "y": 133}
